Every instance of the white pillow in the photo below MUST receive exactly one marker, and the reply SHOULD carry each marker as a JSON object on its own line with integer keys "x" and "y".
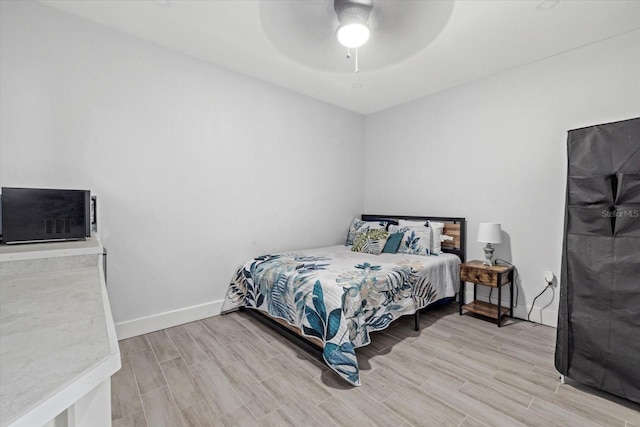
{"x": 437, "y": 228}
{"x": 407, "y": 223}
{"x": 415, "y": 240}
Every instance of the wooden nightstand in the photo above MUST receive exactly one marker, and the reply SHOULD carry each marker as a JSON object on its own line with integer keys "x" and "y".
{"x": 495, "y": 276}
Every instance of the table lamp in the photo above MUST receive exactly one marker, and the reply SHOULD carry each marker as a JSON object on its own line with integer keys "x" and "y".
{"x": 489, "y": 233}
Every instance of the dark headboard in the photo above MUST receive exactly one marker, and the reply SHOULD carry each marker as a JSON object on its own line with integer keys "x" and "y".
{"x": 454, "y": 227}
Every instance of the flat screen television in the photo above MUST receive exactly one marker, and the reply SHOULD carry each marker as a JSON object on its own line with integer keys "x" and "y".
{"x": 40, "y": 215}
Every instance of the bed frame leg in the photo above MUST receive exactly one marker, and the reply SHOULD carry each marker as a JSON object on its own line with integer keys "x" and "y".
{"x": 416, "y": 317}
{"x": 562, "y": 379}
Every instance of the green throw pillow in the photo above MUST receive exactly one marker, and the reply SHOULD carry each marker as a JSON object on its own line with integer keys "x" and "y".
{"x": 370, "y": 241}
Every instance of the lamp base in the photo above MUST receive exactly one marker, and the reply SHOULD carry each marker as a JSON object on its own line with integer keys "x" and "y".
{"x": 488, "y": 255}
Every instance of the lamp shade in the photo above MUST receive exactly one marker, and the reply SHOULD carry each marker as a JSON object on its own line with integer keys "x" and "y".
{"x": 489, "y": 232}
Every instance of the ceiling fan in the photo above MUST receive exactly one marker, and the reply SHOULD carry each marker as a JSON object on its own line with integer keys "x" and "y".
{"x": 353, "y": 30}
{"x": 384, "y": 32}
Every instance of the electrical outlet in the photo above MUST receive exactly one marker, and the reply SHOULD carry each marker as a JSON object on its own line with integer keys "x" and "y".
{"x": 549, "y": 277}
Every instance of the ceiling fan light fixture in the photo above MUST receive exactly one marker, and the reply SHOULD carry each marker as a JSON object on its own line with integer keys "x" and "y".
{"x": 353, "y": 34}
{"x": 353, "y": 15}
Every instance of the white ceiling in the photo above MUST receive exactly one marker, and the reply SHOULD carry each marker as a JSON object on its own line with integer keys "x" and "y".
{"x": 280, "y": 41}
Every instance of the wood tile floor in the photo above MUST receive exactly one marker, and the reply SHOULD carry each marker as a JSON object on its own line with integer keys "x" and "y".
{"x": 457, "y": 370}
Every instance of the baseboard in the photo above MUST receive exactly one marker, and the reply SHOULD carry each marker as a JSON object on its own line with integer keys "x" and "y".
{"x": 144, "y": 325}
{"x": 545, "y": 317}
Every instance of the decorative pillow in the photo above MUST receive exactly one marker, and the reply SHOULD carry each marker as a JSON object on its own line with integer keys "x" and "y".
{"x": 370, "y": 241}
{"x": 415, "y": 240}
{"x": 437, "y": 228}
{"x": 393, "y": 243}
{"x": 358, "y": 225}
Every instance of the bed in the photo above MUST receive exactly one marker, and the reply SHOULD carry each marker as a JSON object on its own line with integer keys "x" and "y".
{"x": 333, "y": 297}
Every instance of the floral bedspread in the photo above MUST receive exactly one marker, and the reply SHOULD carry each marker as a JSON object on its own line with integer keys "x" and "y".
{"x": 339, "y": 296}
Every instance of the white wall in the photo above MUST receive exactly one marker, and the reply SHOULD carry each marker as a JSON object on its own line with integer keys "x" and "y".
{"x": 495, "y": 150}
{"x": 196, "y": 168}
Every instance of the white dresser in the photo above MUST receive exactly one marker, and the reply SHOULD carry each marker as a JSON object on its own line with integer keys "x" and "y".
{"x": 58, "y": 347}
